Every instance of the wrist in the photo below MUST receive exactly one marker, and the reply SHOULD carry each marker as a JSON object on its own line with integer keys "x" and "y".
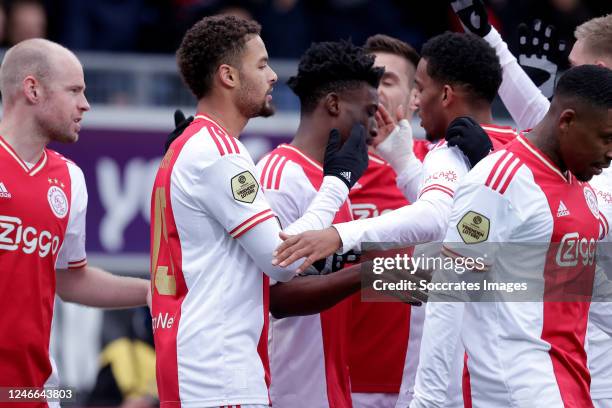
{"x": 336, "y": 184}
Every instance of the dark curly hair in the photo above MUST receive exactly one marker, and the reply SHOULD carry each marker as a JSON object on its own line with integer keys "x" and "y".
{"x": 390, "y": 45}
{"x": 590, "y": 83}
{"x": 211, "y": 42}
{"x": 464, "y": 59}
{"x": 332, "y": 67}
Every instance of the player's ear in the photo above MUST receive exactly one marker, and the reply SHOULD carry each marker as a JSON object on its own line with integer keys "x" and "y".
{"x": 566, "y": 120}
{"x": 332, "y": 104}
{"x": 31, "y": 89}
{"x": 228, "y": 76}
{"x": 448, "y": 94}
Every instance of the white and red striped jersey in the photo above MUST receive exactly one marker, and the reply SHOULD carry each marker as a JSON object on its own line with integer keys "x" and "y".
{"x": 599, "y": 343}
{"x": 209, "y": 297}
{"x": 499, "y": 136}
{"x": 521, "y": 353}
{"x": 308, "y": 354}
{"x": 379, "y": 331}
{"x": 424, "y": 220}
{"x": 42, "y": 227}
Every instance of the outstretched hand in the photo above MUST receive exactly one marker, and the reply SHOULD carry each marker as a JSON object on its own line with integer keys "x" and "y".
{"x": 387, "y": 123}
{"x": 541, "y": 53}
{"x": 312, "y": 245}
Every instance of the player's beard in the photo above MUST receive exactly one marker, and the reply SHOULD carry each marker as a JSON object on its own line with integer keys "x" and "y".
{"x": 57, "y": 133}
{"x": 252, "y": 106}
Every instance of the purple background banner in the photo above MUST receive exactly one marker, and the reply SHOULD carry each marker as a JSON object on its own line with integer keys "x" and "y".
{"x": 119, "y": 168}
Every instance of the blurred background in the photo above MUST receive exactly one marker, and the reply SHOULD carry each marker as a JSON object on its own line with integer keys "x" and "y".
{"x": 127, "y": 49}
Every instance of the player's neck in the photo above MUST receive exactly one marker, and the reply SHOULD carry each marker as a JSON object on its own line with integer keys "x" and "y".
{"x": 310, "y": 139}
{"x": 225, "y": 113}
{"x": 542, "y": 137}
{"x": 480, "y": 113}
{"x": 23, "y": 138}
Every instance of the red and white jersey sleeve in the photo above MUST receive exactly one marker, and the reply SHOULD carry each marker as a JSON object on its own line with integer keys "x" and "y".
{"x": 207, "y": 287}
{"x": 36, "y": 204}
{"x": 439, "y": 374}
{"x": 72, "y": 253}
{"x": 423, "y": 221}
{"x": 520, "y": 352}
{"x": 599, "y": 343}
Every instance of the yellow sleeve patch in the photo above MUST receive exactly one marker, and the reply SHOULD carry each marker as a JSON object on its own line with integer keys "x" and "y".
{"x": 244, "y": 187}
{"x": 473, "y": 228}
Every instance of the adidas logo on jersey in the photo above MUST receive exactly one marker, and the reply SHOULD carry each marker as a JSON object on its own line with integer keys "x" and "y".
{"x": 562, "y": 211}
{"x": 346, "y": 175}
{"x": 4, "y": 192}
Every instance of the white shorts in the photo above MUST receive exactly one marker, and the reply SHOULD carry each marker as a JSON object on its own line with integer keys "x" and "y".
{"x": 373, "y": 400}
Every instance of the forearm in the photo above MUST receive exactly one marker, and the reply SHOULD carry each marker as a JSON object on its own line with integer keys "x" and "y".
{"x": 440, "y": 349}
{"x": 321, "y": 212}
{"x": 520, "y": 95}
{"x": 91, "y": 286}
{"x": 409, "y": 179}
{"x": 260, "y": 242}
{"x": 306, "y": 295}
{"x": 423, "y": 221}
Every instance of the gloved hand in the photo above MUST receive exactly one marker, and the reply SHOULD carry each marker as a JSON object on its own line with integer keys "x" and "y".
{"x": 180, "y": 124}
{"x": 473, "y": 16}
{"x": 540, "y": 54}
{"x": 332, "y": 263}
{"x": 470, "y": 138}
{"x": 350, "y": 161}
{"x": 397, "y": 148}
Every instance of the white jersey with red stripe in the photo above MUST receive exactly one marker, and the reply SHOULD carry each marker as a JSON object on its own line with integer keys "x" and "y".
{"x": 438, "y": 175}
{"x": 209, "y": 297}
{"x": 521, "y": 354}
{"x": 423, "y": 221}
{"x": 599, "y": 343}
{"x": 308, "y": 354}
{"x": 42, "y": 228}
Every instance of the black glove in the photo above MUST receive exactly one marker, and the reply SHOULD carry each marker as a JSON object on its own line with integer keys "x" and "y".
{"x": 332, "y": 263}
{"x": 470, "y": 138}
{"x": 180, "y": 124}
{"x": 540, "y": 54}
{"x": 350, "y": 161}
{"x": 473, "y": 16}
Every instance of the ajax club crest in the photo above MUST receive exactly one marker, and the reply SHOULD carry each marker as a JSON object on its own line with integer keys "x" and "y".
{"x": 57, "y": 201}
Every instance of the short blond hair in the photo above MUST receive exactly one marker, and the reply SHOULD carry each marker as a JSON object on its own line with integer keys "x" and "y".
{"x": 596, "y": 34}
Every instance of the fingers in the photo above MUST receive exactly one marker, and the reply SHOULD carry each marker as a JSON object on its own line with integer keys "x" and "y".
{"x": 551, "y": 40}
{"x": 333, "y": 144}
{"x": 453, "y": 141}
{"x": 288, "y": 241}
{"x": 357, "y": 138}
{"x": 295, "y": 254}
{"x": 179, "y": 117}
{"x": 456, "y": 127}
{"x": 384, "y": 113}
{"x": 379, "y": 120}
{"x": 523, "y": 33}
{"x": 400, "y": 113}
